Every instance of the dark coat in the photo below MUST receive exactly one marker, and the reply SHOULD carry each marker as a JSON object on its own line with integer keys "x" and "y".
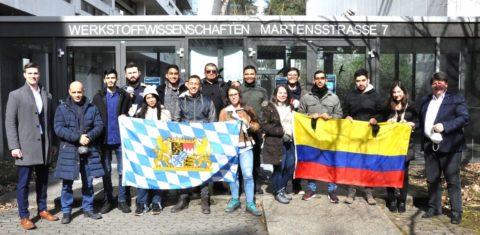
{"x": 22, "y": 126}
{"x": 216, "y": 91}
{"x": 453, "y": 114}
{"x": 272, "y": 151}
{"x": 67, "y": 128}
{"x": 411, "y": 115}
{"x": 100, "y": 100}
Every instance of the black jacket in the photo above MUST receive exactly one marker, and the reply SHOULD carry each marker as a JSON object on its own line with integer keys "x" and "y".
{"x": 363, "y": 106}
{"x": 216, "y": 91}
{"x": 100, "y": 100}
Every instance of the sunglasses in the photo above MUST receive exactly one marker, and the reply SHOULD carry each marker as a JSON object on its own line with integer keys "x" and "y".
{"x": 211, "y": 71}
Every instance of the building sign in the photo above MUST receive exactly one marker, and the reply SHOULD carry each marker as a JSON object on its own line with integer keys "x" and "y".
{"x": 225, "y": 29}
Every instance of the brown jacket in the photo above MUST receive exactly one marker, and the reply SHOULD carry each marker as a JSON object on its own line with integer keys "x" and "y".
{"x": 247, "y": 113}
{"x": 272, "y": 151}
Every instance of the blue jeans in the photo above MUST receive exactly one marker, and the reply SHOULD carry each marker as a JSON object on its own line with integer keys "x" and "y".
{"x": 312, "y": 186}
{"x": 41, "y": 182}
{"x": 284, "y": 171}
{"x": 147, "y": 196}
{"x": 246, "y": 165}
{"x": 87, "y": 190}
{"x": 123, "y": 191}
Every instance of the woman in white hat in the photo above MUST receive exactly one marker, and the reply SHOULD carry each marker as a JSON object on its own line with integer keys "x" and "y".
{"x": 151, "y": 109}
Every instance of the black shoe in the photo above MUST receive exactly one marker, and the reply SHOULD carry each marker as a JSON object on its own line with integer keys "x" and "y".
{"x": 181, "y": 204}
{"x": 156, "y": 208}
{"x": 140, "y": 210}
{"x": 456, "y": 218}
{"x": 91, "y": 215}
{"x": 401, "y": 207}
{"x": 392, "y": 206}
{"x": 123, "y": 206}
{"x": 431, "y": 213}
{"x": 107, "y": 207}
{"x": 67, "y": 218}
{"x": 206, "y": 205}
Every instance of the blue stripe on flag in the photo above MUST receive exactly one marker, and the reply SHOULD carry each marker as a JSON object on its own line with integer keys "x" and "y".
{"x": 350, "y": 160}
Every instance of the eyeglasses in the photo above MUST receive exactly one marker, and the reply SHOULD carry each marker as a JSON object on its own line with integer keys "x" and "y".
{"x": 232, "y": 95}
{"x": 211, "y": 71}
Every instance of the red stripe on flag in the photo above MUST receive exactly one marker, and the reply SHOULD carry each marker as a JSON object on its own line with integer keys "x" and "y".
{"x": 349, "y": 176}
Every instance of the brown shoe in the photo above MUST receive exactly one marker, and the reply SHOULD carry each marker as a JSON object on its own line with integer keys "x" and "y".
{"x": 370, "y": 200}
{"x": 27, "y": 224}
{"x": 47, "y": 216}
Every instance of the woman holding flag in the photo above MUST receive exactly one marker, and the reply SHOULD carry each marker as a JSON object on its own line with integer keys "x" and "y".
{"x": 151, "y": 109}
{"x": 400, "y": 109}
{"x": 237, "y": 110}
{"x": 277, "y": 125}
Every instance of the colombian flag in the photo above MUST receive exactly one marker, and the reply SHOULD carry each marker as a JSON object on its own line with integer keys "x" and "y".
{"x": 346, "y": 152}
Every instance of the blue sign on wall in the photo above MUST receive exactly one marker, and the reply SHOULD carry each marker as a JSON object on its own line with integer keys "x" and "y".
{"x": 151, "y": 81}
{"x": 331, "y": 82}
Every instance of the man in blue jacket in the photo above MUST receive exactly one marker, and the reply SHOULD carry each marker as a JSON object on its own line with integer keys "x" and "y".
{"x": 78, "y": 124}
{"x": 443, "y": 116}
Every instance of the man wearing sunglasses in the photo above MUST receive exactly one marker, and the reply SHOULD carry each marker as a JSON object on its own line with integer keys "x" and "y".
{"x": 212, "y": 87}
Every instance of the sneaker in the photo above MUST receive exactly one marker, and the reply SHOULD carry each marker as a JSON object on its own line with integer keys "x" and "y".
{"x": 280, "y": 197}
{"x": 140, "y": 210}
{"x": 233, "y": 204}
{"x": 301, "y": 192}
{"x": 370, "y": 200}
{"x": 123, "y": 206}
{"x": 156, "y": 208}
{"x": 308, "y": 195}
{"x": 287, "y": 196}
{"x": 333, "y": 197}
{"x": 350, "y": 198}
{"x": 252, "y": 209}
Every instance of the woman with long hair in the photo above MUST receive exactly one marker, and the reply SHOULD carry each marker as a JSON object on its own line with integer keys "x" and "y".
{"x": 151, "y": 109}
{"x": 235, "y": 109}
{"x": 401, "y": 109}
{"x": 278, "y": 148}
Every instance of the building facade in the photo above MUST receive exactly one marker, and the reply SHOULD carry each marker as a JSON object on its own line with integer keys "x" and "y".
{"x": 94, "y": 7}
{"x": 409, "y": 49}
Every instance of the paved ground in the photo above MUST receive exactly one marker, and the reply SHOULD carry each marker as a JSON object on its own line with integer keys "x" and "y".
{"x": 317, "y": 216}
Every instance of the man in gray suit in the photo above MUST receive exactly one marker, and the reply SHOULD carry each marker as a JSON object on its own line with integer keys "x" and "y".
{"x": 28, "y": 124}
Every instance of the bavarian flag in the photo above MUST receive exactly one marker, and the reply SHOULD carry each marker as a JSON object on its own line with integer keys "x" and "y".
{"x": 346, "y": 152}
{"x": 177, "y": 155}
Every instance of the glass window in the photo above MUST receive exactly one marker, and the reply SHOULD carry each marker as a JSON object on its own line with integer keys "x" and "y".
{"x": 341, "y": 62}
{"x": 220, "y": 52}
{"x": 471, "y": 71}
{"x": 87, "y": 64}
{"x": 411, "y": 61}
{"x": 153, "y": 61}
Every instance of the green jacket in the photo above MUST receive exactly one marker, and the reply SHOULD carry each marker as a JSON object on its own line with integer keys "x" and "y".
{"x": 310, "y": 104}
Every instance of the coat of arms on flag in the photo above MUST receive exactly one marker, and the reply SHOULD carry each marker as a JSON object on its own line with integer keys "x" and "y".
{"x": 172, "y": 155}
{"x": 346, "y": 152}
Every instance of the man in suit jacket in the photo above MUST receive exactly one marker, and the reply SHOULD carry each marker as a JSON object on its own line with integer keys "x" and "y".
{"x": 445, "y": 113}
{"x": 28, "y": 125}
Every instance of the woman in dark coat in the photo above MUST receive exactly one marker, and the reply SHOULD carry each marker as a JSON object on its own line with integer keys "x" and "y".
{"x": 78, "y": 123}
{"x": 277, "y": 125}
{"x": 400, "y": 109}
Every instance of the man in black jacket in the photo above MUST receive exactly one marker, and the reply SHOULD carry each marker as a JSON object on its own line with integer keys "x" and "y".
{"x": 169, "y": 91}
{"x": 364, "y": 104}
{"x": 213, "y": 88}
{"x": 111, "y": 103}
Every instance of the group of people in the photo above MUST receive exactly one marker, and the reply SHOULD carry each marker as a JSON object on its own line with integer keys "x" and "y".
{"x": 89, "y": 136}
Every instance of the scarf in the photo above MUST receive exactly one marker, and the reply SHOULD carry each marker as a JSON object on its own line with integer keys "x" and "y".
{"x": 319, "y": 92}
